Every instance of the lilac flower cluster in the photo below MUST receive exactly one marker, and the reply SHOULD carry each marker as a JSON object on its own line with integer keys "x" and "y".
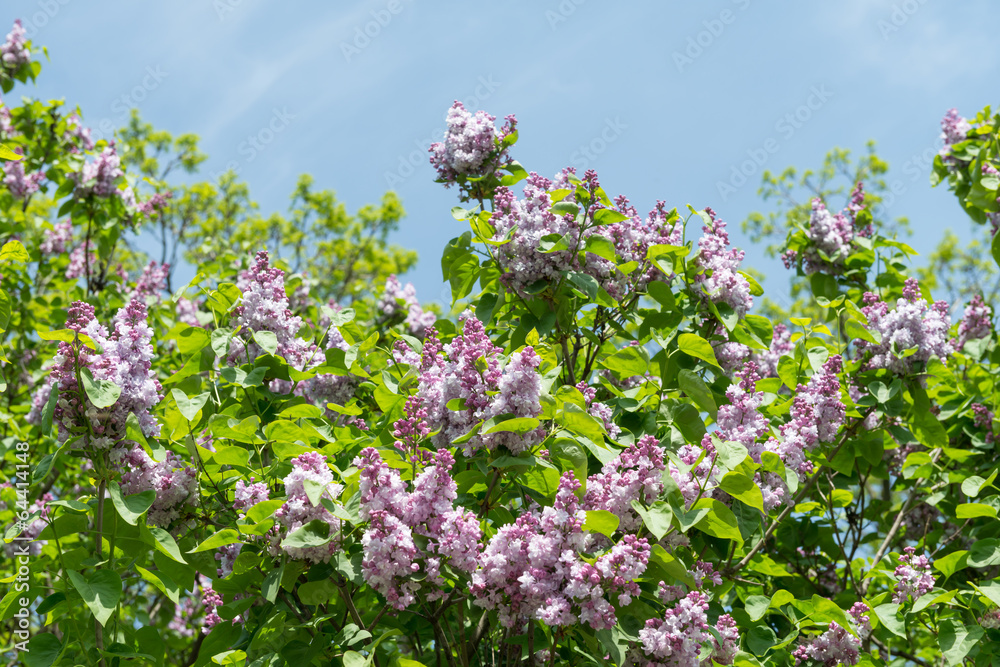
{"x": 298, "y": 509}
{"x": 100, "y": 177}
{"x": 678, "y": 639}
{"x": 719, "y": 277}
{"x": 124, "y": 360}
{"x": 954, "y": 129}
{"x": 14, "y": 52}
{"x": 76, "y": 132}
{"x": 393, "y": 564}
{"x": 533, "y": 568}
{"x": 601, "y": 411}
{"x": 397, "y": 299}
{"x": 834, "y": 647}
{"x": 187, "y": 312}
{"x": 860, "y": 613}
{"x": 80, "y": 262}
{"x": 976, "y": 323}
{"x": 781, "y": 345}
{"x": 913, "y": 323}
{"x": 18, "y": 183}
{"x": 832, "y": 235}
{"x": 471, "y": 370}
{"x": 471, "y": 146}
{"x": 635, "y": 474}
{"x": 174, "y": 481}
{"x": 27, "y": 531}
{"x": 152, "y": 282}
{"x": 530, "y": 219}
{"x": 58, "y": 240}
{"x": 914, "y": 576}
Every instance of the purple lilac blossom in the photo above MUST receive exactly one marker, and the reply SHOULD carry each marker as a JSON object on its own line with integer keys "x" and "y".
{"x": 781, "y": 345}
{"x": 679, "y": 638}
{"x": 100, "y": 177}
{"x": 834, "y": 647}
{"x": 389, "y": 304}
{"x": 719, "y": 278}
{"x": 18, "y": 183}
{"x": 174, "y": 481}
{"x": 976, "y": 323}
{"x": 58, "y": 240}
{"x": 298, "y": 510}
{"x": 471, "y": 146}
{"x": 914, "y": 576}
{"x": 635, "y": 474}
{"x": 14, "y": 52}
{"x": 913, "y": 323}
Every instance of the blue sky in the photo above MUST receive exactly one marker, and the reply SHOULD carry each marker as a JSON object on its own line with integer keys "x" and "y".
{"x": 663, "y": 99}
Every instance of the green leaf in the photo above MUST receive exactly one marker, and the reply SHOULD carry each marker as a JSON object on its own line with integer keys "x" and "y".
{"x": 4, "y": 310}
{"x": 8, "y": 154}
{"x": 952, "y": 563}
{"x": 697, "y": 347}
{"x": 313, "y": 534}
{"x": 164, "y": 542}
{"x": 13, "y": 251}
{"x": 602, "y": 247}
{"x": 234, "y": 657}
{"x": 101, "y": 592}
{"x": 267, "y": 340}
{"x": 887, "y": 616}
{"x": 264, "y": 510}
{"x": 132, "y": 507}
{"x": 519, "y": 425}
{"x": 742, "y": 488}
{"x": 692, "y": 385}
{"x": 220, "y": 539}
{"x": 628, "y": 361}
{"x": 657, "y": 518}
{"x": 973, "y": 485}
{"x": 756, "y": 606}
{"x": 720, "y": 520}
{"x": 973, "y": 510}
{"x": 955, "y": 638}
{"x": 44, "y": 648}
{"x": 924, "y": 424}
{"x": 102, "y": 393}
{"x": 189, "y": 407}
{"x": 162, "y": 581}
{"x": 601, "y": 521}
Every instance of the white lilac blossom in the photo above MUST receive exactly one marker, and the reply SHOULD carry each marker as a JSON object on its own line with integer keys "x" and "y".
{"x": 913, "y": 323}
{"x": 680, "y": 637}
{"x": 397, "y": 299}
{"x": 14, "y": 52}
{"x": 534, "y": 569}
{"x": 834, "y": 647}
{"x": 21, "y": 185}
{"x": 913, "y": 576}
{"x": 174, "y": 481}
{"x": 976, "y": 323}
{"x": 719, "y": 277}
{"x": 299, "y": 510}
{"x": 472, "y": 369}
{"x": 471, "y": 146}
{"x": 393, "y": 564}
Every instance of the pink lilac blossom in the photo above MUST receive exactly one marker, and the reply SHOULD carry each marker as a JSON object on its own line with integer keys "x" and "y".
{"x": 18, "y": 183}
{"x": 991, "y": 619}
{"x": 79, "y": 264}
{"x": 730, "y": 355}
{"x": 719, "y": 278}
{"x": 6, "y": 125}
{"x": 914, "y": 576}
{"x": 635, "y": 474}
{"x": 471, "y": 144}
{"x": 184, "y": 612}
{"x": 100, "y": 177}
{"x": 57, "y": 241}
{"x": 389, "y": 304}
{"x": 860, "y": 614}
{"x": 976, "y": 323}
{"x": 392, "y": 560}
{"x": 954, "y": 129}
{"x": 834, "y": 647}
{"x": 211, "y": 601}
{"x": 156, "y": 203}
{"x": 913, "y": 323}
{"x": 533, "y": 568}
{"x": 152, "y": 282}
{"x": 781, "y": 345}
{"x": 679, "y": 638}
{"x": 28, "y": 532}
{"x": 982, "y": 416}
{"x": 174, "y": 481}
{"x": 246, "y": 495}
{"x": 299, "y": 510}
{"x": 187, "y": 312}
{"x": 831, "y": 235}
{"x": 634, "y": 237}
{"x": 472, "y": 369}
{"x": 14, "y": 52}
{"x": 600, "y": 411}
{"x": 75, "y": 130}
